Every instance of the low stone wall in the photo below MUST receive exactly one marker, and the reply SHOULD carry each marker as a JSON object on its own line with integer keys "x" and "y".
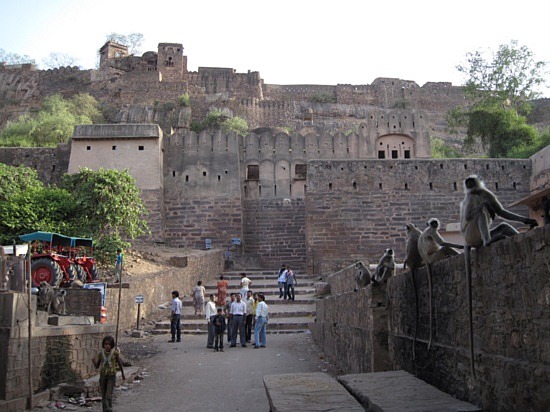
{"x": 511, "y": 308}
{"x": 351, "y": 327}
{"x": 157, "y": 288}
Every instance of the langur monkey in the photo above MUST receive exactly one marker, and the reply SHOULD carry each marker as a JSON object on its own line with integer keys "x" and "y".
{"x": 413, "y": 260}
{"x": 362, "y": 275}
{"x": 432, "y": 248}
{"x": 477, "y": 210}
{"x": 385, "y": 268}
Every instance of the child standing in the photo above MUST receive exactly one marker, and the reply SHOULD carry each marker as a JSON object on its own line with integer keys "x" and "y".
{"x": 218, "y": 321}
{"x": 107, "y": 360}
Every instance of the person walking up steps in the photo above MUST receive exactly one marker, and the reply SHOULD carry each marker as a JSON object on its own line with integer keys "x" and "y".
{"x": 262, "y": 316}
{"x": 290, "y": 283}
{"x": 283, "y": 288}
{"x": 245, "y": 285}
{"x": 281, "y": 280}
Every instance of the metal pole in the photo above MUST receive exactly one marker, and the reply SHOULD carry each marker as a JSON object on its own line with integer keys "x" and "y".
{"x": 139, "y": 315}
{"x": 28, "y": 274}
{"x": 118, "y": 309}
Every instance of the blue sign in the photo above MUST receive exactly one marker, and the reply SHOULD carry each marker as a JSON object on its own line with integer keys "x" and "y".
{"x": 208, "y": 243}
{"x": 235, "y": 240}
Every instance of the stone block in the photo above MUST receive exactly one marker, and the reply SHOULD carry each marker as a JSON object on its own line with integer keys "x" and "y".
{"x": 306, "y": 391}
{"x": 137, "y": 334}
{"x": 56, "y": 320}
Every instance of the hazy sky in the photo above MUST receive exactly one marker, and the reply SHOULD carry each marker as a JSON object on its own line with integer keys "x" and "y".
{"x": 288, "y": 42}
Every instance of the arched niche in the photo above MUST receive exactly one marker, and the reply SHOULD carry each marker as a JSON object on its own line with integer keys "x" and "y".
{"x": 395, "y": 146}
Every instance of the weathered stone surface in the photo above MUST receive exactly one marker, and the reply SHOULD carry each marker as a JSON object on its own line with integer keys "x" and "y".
{"x": 70, "y": 320}
{"x": 308, "y": 392}
{"x": 322, "y": 288}
{"x": 397, "y": 391}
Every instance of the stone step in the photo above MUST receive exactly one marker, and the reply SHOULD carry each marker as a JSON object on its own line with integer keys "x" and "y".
{"x": 263, "y": 284}
{"x": 283, "y": 323}
{"x": 271, "y": 299}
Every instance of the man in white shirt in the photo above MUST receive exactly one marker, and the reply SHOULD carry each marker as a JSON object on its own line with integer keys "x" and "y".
{"x": 238, "y": 313}
{"x": 262, "y": 316}
{"x": 175, "y": 317}
{"x": 210, "y": 312}
{"x": 249, "y": 316}
{"x": 245, "y": 285}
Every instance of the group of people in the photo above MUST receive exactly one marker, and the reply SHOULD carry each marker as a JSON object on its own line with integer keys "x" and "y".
{"x": 243, "y": 313}
{"x": 287, "y": 281}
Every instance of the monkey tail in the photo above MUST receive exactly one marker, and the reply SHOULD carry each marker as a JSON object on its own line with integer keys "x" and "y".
{"x": 468, "y": 262}
{"x": 430, "y": 292}
{"x": 416, "y": 315}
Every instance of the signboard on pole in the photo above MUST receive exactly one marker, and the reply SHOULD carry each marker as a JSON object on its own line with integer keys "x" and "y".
{"x": 139, "y": 299}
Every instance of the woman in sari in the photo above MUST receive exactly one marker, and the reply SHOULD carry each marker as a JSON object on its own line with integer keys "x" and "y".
{"x": 198, "y": 297}
{"x": 222, "y": 291}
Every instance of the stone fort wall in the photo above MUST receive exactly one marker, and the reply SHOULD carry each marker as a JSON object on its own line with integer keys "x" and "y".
{"x": 510, "y": 311}
{"x": 335, "y": 210}
{"x": 356, "y": 209}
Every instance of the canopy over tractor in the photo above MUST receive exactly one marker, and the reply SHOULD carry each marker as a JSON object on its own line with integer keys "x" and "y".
{"x": 56, "y": 259}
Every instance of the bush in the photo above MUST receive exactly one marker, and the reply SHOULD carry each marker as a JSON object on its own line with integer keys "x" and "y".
{"x": 323, "y": 97}
{"x": 184, "y": 100}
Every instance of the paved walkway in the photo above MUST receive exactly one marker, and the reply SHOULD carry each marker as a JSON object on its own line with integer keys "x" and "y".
{"x": 190, "y": 377}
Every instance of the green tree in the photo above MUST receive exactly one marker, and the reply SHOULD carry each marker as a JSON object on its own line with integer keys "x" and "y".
{"x": 235, "y": 124}
{"x": 109, "y": 204}
{"x": 441, "y": 150}
{"x": 525, "y": 151}
{"x": 54, "y": 123}
{"x": 499, "y": 91}
{"x": 509, "y": 79}
{"x": 27, "y": 205}
{"x": 499, "y": 130}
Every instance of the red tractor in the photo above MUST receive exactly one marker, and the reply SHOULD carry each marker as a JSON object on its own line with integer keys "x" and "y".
{"x": 54, "y": 259}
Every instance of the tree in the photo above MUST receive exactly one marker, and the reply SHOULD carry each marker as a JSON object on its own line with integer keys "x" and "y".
{"x": 509, "y": 79}
{"x": 499, "y": 130}
{"x": 27, "y": 205}
{"x": 499, "y": 91}
{"x": 56, "y": 60}
{"x": 13, "y": 58}
{"x": 133, "y": 40}
{"x": 54, "y": 123}
{"x": 109, "y": 203}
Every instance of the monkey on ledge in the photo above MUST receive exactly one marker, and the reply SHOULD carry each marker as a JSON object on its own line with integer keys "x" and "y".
{"x": 479, "y": 207}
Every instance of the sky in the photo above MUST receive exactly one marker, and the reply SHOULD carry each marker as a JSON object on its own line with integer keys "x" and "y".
{"x": 288, "y": 41}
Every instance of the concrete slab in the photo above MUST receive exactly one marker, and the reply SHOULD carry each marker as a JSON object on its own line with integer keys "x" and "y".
{"x": 395, "y": 391}
{"x": 308, "y": 392}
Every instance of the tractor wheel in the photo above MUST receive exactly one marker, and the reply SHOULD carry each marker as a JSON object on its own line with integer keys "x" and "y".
{"x": 72, "y": 271}
{"x": 93, "y": 272}
{"x": 81, "y": 273}
{"x": 46, "y": 270}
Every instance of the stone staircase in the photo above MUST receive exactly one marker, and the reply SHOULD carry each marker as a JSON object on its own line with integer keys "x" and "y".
{"x": 284, "y": 316}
